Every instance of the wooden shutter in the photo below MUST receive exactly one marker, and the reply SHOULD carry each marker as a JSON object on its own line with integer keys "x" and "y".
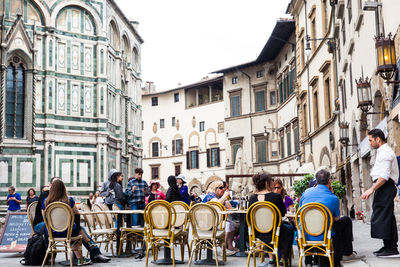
{"x": 188, "y": 160}
{"x": 208, "y": 157}
{"x": 197, "y": 159}
{"x": 181, "y": 151}
{"x": 173, "y": 147}
{"x": 218, "y": 159}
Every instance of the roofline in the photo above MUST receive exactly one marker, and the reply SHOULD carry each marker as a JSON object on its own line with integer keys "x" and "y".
{"x": 186, "y": 86}
{"x": 240, "y": 66}
{"x": 261, "y": 58}
{"x": 127, "y": 21}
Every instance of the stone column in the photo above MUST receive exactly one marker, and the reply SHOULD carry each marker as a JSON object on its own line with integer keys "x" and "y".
{"x": 2, "y": 104}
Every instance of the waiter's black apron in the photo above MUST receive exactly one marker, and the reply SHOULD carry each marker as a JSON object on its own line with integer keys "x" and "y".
{"x": 383, "y": 211}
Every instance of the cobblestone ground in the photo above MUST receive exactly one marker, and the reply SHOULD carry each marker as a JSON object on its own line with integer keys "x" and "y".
{"x": 363, "y": 244}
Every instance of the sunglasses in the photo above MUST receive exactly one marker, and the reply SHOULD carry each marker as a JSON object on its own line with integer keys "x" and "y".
{"x": 221, "y": 187}
{"x": 278, "y": 187}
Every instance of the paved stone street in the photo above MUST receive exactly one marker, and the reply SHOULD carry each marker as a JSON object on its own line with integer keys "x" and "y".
{"x": 363, "y": 244}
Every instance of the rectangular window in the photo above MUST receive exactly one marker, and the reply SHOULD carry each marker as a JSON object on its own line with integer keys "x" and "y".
{"x": 142, "y": 125}
{"x": 260, "y": 100}
{"x": 349, "y": 10}
{"x": 162, "y": 123}
{"x": 235, "y": 80}
{"x": 154, "y": 149}
{"x": 213, "y": 159}
{"x": 296, "y": 139}
{"x": 289, "y": 143}
{"x": 315, "y": 110}
{"x": 173, "y": 121}
{"x": 235, "y": 105}
{"x": 272, "y": 98}
{"x": 261, "y": 151}
{"x": 260, "y": 74}
{"x": 282, "y": 141}
{"x": 176, "y": 97}
{"x": 344, "y": 32}
{"x": 280, "y": 92}
{"x": 235, "y": 148}
{"x": 155, "y": 172}
{"x": 177, "y": 169}
{"x": 154, "y": 101}
{"x": 328, "y": 111}
{"x": 177, "y": 146}
{"x": 201, "y": 126}
{"x": 192, "y": 159}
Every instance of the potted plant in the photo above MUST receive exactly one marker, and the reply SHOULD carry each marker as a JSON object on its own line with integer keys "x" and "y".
{"x": 360, "y": 215}
{"x": 300, "y": 186}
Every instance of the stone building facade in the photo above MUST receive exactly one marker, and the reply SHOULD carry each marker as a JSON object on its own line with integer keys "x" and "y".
{"x": 343, "y": 53}
{"x": 183, "y": 132}
{"x": 70, "y": 93}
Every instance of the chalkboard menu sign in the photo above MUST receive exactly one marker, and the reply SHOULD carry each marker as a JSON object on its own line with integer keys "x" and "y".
{"x": 16, "y": 232}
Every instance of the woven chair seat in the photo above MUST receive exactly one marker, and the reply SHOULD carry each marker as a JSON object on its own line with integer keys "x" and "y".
{"x": 208, "y": 234}
{"x": 62, "y": 239}
{"x": 132, "y": 229}
{"x": 104, "y": 231}
{"x": 164, "y": 233}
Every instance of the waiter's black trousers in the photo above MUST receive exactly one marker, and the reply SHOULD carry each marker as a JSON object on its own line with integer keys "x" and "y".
{"x": 383, "y": 221}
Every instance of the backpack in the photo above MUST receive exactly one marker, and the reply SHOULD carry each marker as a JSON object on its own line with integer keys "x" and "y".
{"x": 36, "y": 249}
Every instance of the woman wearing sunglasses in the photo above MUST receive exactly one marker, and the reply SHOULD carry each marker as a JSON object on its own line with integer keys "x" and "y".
{"x": 278, "y": 188}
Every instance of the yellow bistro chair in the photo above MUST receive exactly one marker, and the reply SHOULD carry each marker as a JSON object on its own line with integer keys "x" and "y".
{"x": 134, "y": 233}
{"x": 108, "y": 232}
{"x": 263, "y": 217}
{"x": 59, "y": 217}
{"x": 31, "y": 213}
{"x": 221, "y": 226}
{"x": 204, "y": 221}
{"x": 161, "y": 217}
{"x": 314, "y": 219}
{"x": 182, "y": 223}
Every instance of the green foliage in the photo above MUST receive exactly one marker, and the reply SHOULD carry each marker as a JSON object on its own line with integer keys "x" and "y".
{"x": 301, "y": 186}
{"x": 338, "y": 189}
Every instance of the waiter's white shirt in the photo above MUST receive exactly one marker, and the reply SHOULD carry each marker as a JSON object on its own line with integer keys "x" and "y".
{"x": 385, "y": 164}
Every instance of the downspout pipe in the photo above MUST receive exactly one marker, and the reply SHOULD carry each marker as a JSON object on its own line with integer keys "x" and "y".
{"x": 308, "y": 81}
{"x": 250, "y": 117}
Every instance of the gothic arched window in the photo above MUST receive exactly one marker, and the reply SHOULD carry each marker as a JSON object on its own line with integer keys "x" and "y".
{"x": 15, "y": 104}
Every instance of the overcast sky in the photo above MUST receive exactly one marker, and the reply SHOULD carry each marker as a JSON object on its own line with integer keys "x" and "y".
{"x": 184, "y": 40}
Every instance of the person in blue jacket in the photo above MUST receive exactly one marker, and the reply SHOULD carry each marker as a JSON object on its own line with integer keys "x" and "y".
{"x": 180, "y": 179}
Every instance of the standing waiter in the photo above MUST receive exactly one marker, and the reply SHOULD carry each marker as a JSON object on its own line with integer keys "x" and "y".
{"x": 385, "y": 175}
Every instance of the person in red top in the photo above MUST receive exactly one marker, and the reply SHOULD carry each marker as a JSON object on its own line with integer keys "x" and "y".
{"x": 154, "y": 194}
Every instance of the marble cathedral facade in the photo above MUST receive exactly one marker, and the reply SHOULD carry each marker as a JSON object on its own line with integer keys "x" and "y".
{"x": 70, "y": 102}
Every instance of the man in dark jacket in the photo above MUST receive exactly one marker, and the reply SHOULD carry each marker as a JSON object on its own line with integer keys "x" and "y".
{"x": 38, "y": 224}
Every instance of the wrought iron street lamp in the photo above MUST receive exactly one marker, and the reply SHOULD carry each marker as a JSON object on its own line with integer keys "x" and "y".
{"x": 344, "y": 133}
{"x": 386, "y": 57}
{"x": 364, "y": 94}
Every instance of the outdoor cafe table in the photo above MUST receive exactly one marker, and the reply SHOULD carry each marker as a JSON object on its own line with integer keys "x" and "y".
{"x": 167, "y": 251}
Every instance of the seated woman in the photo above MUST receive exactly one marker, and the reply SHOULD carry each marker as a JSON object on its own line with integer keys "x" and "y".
{"x": 279, "y": 189}
{"x": 263, "y": 183}
{"x": 58, "y": 193}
